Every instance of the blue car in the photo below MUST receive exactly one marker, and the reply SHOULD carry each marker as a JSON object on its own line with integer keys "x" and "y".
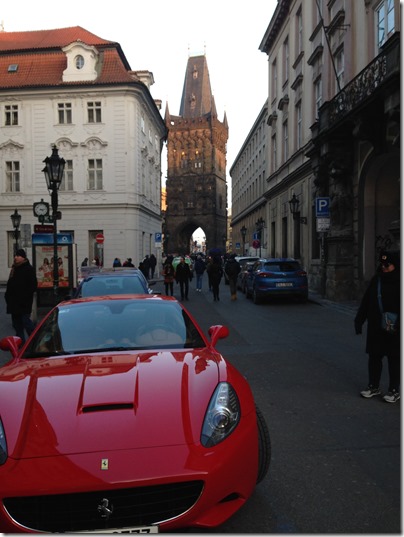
{"x": 276, "y": 277}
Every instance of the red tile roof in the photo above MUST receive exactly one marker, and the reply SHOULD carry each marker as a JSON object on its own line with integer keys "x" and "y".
{"x": 41, "y": 61}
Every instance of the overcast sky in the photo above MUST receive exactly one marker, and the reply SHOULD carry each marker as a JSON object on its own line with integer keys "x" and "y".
{"x": 159, "y": 36}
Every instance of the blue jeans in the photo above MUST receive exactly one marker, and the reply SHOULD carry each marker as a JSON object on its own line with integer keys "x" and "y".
{"x": 22, "y": 322}
{"x": 199, "y": 281}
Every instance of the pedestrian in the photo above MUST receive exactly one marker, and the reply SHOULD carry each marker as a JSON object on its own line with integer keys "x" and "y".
{"x": 379, "y": 342}
{"x": 232, "y": 269}
{"x": 183, "y": 276}
{"x": 146, "y": 264}
{"x": 215, "y": 272}
{"x": 21, "y": 286}
{"x": 142, "y": 269}
{"x": 84, "y": 263}
{"x": 208, "y": 263}
{"x": 199, "y": 269}
{"x": 128, "y": 262}
{"x": 153, "y": 263}
{"x": 117, "y": 262}
{"x": 169, "y": 276}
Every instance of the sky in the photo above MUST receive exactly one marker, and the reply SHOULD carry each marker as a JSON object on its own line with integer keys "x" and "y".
{"x": 159, "y": 36}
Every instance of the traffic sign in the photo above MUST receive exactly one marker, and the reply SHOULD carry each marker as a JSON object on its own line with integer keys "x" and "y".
{"x": 323, "y": 224}
{"x": 256, "y": 244}
{"x": 323, "y": 207}
{"x": 99, "y": 238}
{"x": 157, "y": 237}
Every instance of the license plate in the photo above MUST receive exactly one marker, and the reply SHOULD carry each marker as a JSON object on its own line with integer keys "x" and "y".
{"x": 136, "y": 529}
{"x": 284, "y": 284}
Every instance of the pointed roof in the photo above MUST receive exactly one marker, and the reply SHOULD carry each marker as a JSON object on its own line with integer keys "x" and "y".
{"x": 196, "y": 98}
{"x": 40, "y": 60}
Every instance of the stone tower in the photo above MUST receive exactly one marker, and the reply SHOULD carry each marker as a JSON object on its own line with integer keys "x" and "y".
{"x": 196, "y": 168}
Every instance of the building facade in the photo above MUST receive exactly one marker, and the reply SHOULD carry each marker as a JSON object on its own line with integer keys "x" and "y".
{"x": 333, "y": 133}
{"x": 196, "y": 165}
{"x": 70, "y": 88}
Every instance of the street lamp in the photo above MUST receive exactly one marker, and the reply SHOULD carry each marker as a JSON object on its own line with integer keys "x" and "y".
{"x": 166, "y": 239}
{"x": 294, "y": 209}
{"x": 54, "y": 166}
{"x": 259, "y": 226}
{"x": 243, "y": 234}
{"x": 16, "y": 220}
{"x": 224, "y": 239}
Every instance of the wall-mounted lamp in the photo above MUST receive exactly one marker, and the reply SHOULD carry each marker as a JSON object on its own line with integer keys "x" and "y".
{"x": 243, "y": 232}
{"x": 16, "y": 220}
{"x": 294, "y": 209}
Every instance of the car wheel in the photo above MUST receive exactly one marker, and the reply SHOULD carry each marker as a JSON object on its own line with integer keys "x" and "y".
{"x": 264, "y": 446}
{"x": 255, "y": 296}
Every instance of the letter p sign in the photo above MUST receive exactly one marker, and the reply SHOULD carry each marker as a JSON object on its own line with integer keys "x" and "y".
{"x": 322, "y": 207}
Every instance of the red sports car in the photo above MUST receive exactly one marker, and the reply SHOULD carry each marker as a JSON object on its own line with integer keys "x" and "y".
{"x": 119, "y": 415}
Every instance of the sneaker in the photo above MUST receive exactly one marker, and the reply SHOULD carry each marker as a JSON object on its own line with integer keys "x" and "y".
{"x": 370, "y": 392}
{"x": 392, "y": 397}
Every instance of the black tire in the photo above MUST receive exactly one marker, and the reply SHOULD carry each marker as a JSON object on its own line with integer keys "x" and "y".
{"x": 255, "y": 296}
{"x": 264, "y": 446}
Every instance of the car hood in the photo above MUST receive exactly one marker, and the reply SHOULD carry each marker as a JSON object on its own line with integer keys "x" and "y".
{"x": 106, "y": 401}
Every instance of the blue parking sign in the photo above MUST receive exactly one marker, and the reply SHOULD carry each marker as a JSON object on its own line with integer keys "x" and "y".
{"x": 322, "y": 207}
{"x": 157, "y": 237}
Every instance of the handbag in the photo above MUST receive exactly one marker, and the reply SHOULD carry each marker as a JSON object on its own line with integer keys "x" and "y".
{"x": 389, "y": 319}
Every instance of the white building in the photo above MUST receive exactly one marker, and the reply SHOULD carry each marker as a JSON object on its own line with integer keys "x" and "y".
{"x": 70, "y": 88}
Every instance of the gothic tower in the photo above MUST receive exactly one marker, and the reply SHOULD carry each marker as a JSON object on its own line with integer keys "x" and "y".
{"x": 196, "y": 168}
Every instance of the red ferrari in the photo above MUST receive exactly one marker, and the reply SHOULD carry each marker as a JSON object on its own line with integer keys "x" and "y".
{"x": 118, "y": 415}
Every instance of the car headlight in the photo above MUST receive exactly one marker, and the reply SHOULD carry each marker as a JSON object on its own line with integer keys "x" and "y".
{"x": 222, "y": 416}
{"x": 3, "y": 445}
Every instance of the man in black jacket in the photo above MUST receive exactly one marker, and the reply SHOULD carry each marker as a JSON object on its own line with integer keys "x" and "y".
{"x": 21, "y": 286}
{"x": 380, "y": 343}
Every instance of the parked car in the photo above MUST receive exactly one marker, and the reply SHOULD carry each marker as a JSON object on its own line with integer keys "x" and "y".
{"x": 119, "y": 415}
{"x": 113, "y": 282}
{"x": 242, "y": 275}
{"x": 276, "y": 277}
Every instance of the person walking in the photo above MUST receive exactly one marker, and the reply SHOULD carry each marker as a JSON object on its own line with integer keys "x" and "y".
{"x": 380, "y": 343}
{"x": 183, "y": 276}
{"x": 21, "y": 286}
{"x": 169, "y": 275}
{"x": 232, "y": 269}
{"x": 199, "y": 269}
{"x": 215, "y": 272}
{"x": 153, "y": 263}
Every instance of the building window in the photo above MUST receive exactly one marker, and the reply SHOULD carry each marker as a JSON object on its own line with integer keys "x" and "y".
{"x": 384, "y": 21}
{"x": 64, "y": 113}
{"x": 79, "y": 61}
{"x": 13, "y": 176}
{"x": 299, "y": 125}
{"x": 285, "y": 129}
{"x": 299, "y": 32}
{"x": 274, "y": 156}
{"x": 67, "y": 179}
{"x": 94, "y": 111}
{"x": 339, "y": 67}
{"x": 274, "y": 79}
{"x": 286, "y": 60}
{"x": 318, "y": 95}
{"x": 95, "y": 174}
{"x": 11, "y": 115}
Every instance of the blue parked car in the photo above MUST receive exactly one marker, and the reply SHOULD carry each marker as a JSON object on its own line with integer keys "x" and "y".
{"x": 276, "y": 277}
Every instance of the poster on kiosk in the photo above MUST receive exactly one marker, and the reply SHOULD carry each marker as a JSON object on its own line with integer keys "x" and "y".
{"x": 43, "y": 258}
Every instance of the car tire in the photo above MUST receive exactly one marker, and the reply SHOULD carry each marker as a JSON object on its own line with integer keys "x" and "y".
{"x": 255, "y": 296}
{"x": 264, "y": 446}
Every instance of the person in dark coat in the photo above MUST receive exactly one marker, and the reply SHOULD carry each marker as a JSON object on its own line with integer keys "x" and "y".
{"x": 169, "y": 274}
{"x": 232, "y": 268}
{"x": 183, "y": 276}
{"x": 21, "y": 286}
{"x": 215, "y": 272}
{"x": 380, "y": 343}
{"x": 199, "y": 267}
{"x": 153, "y": 263}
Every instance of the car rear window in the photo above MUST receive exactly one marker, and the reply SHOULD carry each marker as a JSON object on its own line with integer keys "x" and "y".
{"x": 112, "y": 286}
{"x": 285, "y": 266}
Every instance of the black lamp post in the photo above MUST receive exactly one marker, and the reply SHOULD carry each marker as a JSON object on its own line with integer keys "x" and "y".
{"x": 16, "y": 220}
{"x": 259, "y": 226}
{"x": 54, "y": 167}
{"x": 243, "y": 231}
{"x": 294, "y": 204}
{"x": 224, "y": 238}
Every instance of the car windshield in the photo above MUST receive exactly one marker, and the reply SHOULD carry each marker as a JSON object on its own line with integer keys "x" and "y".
{"x": 114, "y": 325}
{"x": 114, "y": 285}
{"x": 283, "y": 266}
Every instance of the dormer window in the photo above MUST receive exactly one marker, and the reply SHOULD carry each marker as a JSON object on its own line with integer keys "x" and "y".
{"x": 79, "y": 61}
